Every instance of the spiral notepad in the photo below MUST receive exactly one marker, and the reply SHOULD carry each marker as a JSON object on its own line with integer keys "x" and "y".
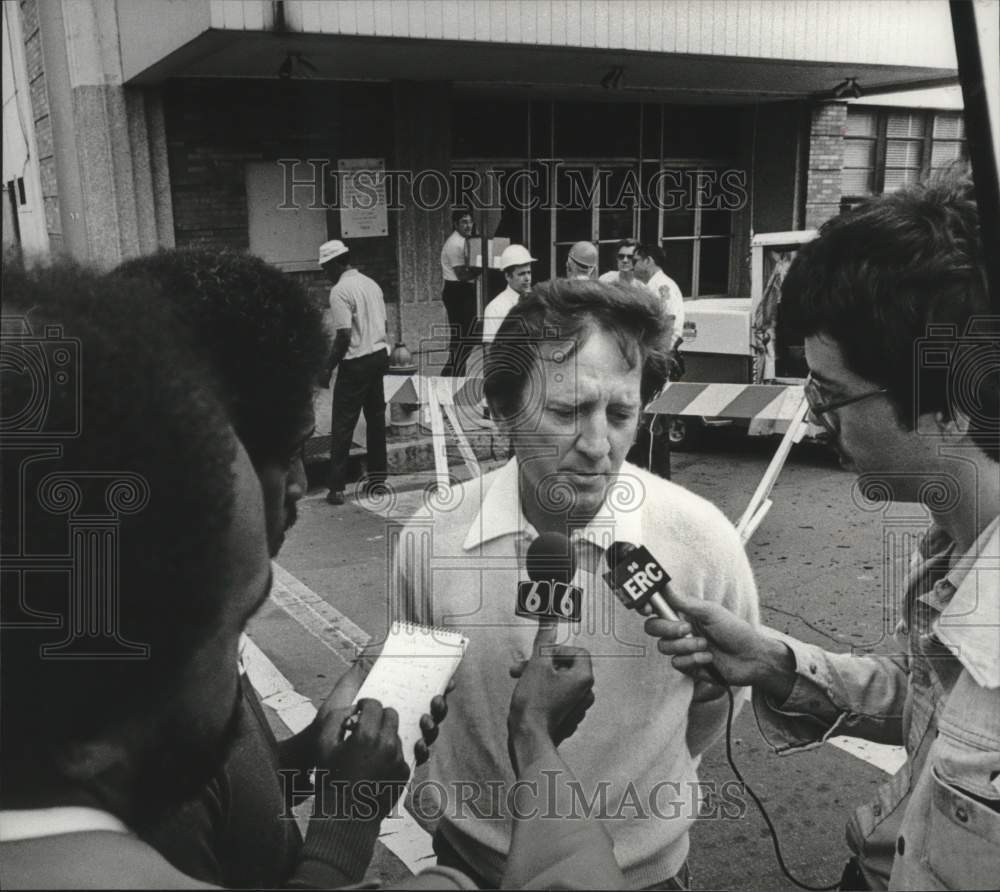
{"x": 414, "y": 666}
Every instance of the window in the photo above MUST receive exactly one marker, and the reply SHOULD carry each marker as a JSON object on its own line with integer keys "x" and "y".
{"x": 696, "y": 237}
{"x": 858, "y": 176}
{"x": 886, "y": 149}
{"x": 948, "y": 142}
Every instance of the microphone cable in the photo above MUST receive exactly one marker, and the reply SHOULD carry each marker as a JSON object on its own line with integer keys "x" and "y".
{"x": 759, "y": 804}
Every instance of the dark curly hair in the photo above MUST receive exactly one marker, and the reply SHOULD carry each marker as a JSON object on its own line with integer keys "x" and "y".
{"x": 571, "y": 309}
{"x": 106, "y": 412}
{"x": 259, "y": 330}
{"x": 897, "y": 277}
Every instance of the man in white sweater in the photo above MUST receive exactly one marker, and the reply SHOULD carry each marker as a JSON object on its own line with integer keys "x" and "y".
{"x": 569, "y": 391}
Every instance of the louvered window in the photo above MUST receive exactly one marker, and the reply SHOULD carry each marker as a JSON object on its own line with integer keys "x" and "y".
{"x": 886, "y": 149}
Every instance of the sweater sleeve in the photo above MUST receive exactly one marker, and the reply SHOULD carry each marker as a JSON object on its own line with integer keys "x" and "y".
{"x": 336, "y": 852}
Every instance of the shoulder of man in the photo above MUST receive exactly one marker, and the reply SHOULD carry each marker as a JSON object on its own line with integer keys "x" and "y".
{"x": 369, "y": 282}
{"x": 697, "y": 544}
{"x": 669, "y": 509}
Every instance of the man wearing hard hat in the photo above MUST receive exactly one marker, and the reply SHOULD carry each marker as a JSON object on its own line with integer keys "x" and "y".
{"x": 516, "y": 265}
{"x": 581, "y": 263}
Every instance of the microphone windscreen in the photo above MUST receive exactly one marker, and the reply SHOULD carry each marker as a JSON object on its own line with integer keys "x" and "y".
{"x": 616, "y": 553}
{"x": 551, "y": 557}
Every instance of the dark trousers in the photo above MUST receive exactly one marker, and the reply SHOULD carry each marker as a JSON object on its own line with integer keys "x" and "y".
{"x": 651, "y": 449}
{"x": 460, "y": 305}
{"x": 358, "y": 388}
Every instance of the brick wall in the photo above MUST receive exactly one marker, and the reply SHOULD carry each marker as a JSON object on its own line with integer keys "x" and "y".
{"x": 826, "y": 160}
{"x": 215, "y": 126}
{"x": 35, "y": 64}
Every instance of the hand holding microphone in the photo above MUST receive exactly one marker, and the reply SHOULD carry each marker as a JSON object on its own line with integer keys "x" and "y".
{"x": 554, "y": 689}
{"x": 732, "y": 647}
{"x": 711, "y": 643}
{"x": 641, "y": 584}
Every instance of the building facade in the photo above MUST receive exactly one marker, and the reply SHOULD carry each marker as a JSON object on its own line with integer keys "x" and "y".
{"x": 257, "y": 124}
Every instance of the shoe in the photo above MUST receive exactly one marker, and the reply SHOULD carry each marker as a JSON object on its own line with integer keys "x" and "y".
{"x": 335, "y": 498}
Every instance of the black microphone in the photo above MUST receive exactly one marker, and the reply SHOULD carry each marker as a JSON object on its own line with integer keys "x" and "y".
{"x": 638, "y": 579}
{"x": 551, "y": 564}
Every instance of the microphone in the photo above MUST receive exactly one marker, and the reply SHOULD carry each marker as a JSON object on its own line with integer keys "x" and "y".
{"x": 638, "y": 580}
{"x": 551, "y": 564}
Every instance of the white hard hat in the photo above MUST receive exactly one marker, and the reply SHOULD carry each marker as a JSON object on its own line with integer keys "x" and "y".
{"x": 331, "y": 250}
{"x": 515, "y": 255}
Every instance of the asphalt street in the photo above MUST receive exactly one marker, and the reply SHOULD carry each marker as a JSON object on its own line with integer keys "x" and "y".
{"x": 823, "y": 559}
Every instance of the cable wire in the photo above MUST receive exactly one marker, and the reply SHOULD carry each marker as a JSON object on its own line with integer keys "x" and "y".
{"x": 760, "y": 805}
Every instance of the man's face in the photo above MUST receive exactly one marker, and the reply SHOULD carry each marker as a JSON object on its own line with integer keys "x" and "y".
{"x": 576, "y": 430}
{"x": 464, "y": 226}
{"x": 626, "y": 258}
{"x": 643, "y": 267}
{"x": 866, "y": 432}
{"x": 283, "y": 483}
{"x": 519, "y": 278}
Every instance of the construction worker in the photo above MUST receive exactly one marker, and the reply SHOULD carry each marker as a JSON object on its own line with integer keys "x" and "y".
{"x": 515, "y": 262}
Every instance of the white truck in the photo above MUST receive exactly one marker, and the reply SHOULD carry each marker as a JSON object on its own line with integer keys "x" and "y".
{"x": 732, "y": 341}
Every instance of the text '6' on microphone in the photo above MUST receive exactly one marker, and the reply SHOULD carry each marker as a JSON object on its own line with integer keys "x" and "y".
{"x": 638, "y": 580}
{"x": 548, "y": 595}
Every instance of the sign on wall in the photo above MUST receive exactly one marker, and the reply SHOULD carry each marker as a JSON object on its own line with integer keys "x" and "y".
{"x": 283, "y": 228}
{"x": 363, "y": 211}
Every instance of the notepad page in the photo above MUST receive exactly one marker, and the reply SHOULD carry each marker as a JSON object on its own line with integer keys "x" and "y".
{"x": 415, "y": 666}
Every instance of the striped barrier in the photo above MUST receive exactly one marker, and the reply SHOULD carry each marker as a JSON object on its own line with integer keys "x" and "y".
{"x": 769, "y": 408}
{"x": 416, "y": 389}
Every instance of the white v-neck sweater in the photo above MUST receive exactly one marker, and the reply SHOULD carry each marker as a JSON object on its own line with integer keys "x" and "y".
{"x": 636, "y": 753}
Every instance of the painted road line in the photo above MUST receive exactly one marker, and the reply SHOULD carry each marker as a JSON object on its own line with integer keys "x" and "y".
{"x": 887, "y": 758}
{"x": 275, "y": 691}
{"x": 317, "y": 617}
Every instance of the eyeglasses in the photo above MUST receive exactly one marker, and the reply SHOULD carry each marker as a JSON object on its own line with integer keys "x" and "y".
{"x": 822, "y": 411}
{"x": 626, "y": 256}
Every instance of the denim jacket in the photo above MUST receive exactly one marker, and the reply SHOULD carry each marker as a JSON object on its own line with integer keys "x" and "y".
{"x": 936, "y": 823}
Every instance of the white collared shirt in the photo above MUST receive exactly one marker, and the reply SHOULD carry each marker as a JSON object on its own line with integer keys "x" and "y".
{"x": 665, "y": 288}
{"x": 496, "y": 311}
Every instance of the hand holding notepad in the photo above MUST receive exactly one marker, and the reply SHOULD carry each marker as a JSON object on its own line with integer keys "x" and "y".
{"x": 415, "y": 665}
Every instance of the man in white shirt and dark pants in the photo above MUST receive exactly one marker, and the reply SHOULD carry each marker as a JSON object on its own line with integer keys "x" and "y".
{"x": 459, "y": 294}
{"x": 648, "y": 264}
{"x": 362, "y": 352}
